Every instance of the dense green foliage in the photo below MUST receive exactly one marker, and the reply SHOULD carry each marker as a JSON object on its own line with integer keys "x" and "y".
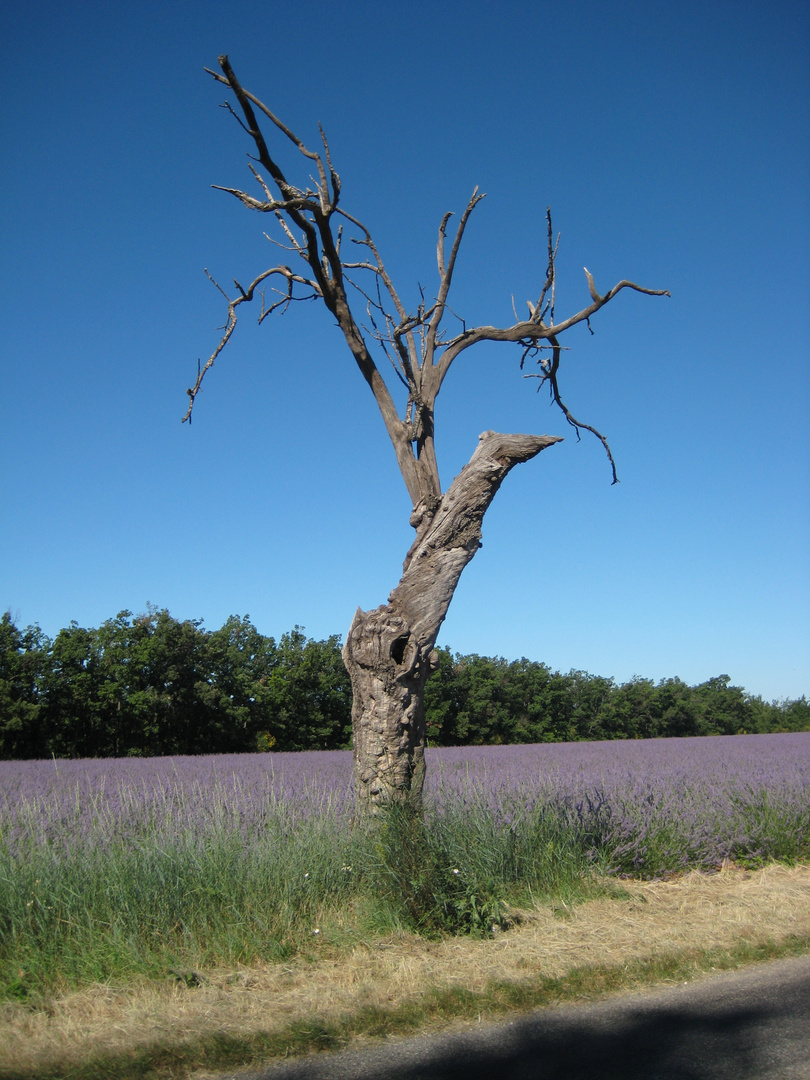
{"x": 479, "y": 700}
{"x": 153, "y": 685}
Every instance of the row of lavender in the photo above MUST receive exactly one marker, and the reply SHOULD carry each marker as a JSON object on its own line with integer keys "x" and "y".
{"x": 641, "y": 806}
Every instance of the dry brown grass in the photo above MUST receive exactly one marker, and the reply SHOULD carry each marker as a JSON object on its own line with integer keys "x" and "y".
{"x": 692, "y": 912}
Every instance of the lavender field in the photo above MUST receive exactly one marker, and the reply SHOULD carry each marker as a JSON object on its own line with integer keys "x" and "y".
{"x": 727, "y": 797}
{"x": 132, "y": 864}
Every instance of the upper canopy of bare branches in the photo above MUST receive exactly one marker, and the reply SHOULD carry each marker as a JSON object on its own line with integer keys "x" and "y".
{"x": 335, "y": 255}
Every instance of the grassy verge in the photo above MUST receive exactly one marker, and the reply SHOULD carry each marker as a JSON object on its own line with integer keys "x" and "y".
{"x": 404, "y": 984}
{"x": 438, "y": 1007}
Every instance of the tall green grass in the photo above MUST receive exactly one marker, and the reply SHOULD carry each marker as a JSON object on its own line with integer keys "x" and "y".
{"x": 164, "y": 901}
{"x": 145, "y": 905}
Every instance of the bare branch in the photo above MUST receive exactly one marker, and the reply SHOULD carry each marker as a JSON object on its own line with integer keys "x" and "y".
{"x": 245, "y": 296}
{"x": 327, "y": 205}
{"x": 288, "y": 297}
{"x": 592, "y": 287}
{"x": 226, "y": 105}
{"x": 288, "y": 192}
{"x": 296, "y": 246}
{"x": 301, "y": 201}
{"x": 215, "y": 75}
{"x": 531, "y": 330}
{"x": 550, "y": 376}
{"x": 446, "y": 276}
{"x": 333, "y": 175}
{"x": 440, "y": 245}
{"x": 538, "y": 312}
{"x": 383, "y": 340}
{"x": 379, "y": 268}
{"x": 367, "y": 241}
{"x": 260, "y": 179}
{"x": 255, "y": 132}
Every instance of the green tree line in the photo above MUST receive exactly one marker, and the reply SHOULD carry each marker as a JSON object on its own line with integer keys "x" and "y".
{"x": 151, "y": 685}
{"x": 479, "y": 700}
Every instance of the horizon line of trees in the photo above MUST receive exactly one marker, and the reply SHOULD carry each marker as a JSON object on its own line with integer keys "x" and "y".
{"x": 152, "y": 685}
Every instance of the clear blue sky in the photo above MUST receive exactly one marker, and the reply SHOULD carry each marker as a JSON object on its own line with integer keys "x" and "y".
{"x": 672, "y": 141}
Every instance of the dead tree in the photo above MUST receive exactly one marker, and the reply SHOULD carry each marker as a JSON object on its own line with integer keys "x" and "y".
{"x": 389, "y": 652}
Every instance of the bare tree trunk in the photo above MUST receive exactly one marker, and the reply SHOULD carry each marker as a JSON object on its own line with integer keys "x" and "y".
{"x": 388, "y": 672}
{"x": 389, "y": 651}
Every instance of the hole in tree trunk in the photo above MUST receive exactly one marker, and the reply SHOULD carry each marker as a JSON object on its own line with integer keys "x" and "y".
{"x": 398, "y": 648}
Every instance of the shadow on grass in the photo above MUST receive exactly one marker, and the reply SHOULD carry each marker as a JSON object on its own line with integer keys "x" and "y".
{"x": 664, "y": 1040}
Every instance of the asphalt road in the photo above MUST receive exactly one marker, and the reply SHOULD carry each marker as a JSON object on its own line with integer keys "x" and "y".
{"x": 743, "y": 1025}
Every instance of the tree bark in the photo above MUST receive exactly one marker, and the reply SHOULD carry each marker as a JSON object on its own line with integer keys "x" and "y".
{"x": 389, "y": 651}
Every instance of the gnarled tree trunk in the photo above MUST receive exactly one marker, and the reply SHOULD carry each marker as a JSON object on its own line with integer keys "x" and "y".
{"x": 389, "y": 651}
